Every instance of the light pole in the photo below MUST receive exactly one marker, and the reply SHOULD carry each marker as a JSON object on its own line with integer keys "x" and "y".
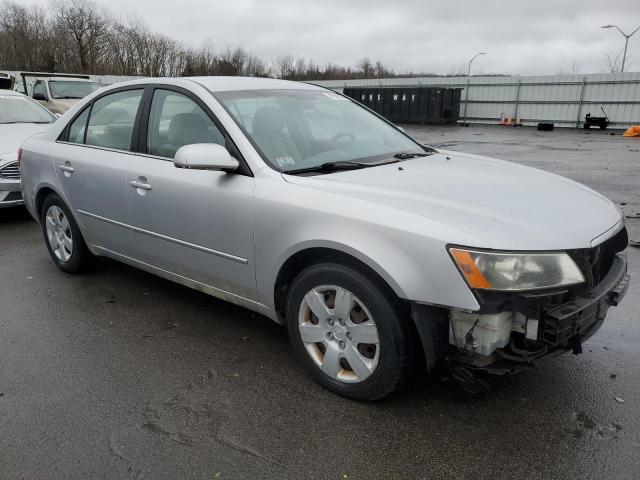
{"x": 466, "y": 96}
{"x": 626, "y": 41}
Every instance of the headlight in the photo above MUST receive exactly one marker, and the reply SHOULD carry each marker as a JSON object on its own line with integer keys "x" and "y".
{"x": 516, "y": 271}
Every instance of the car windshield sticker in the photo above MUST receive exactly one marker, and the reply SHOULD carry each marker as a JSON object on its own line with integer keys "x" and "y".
{"x": 285, "y": 162}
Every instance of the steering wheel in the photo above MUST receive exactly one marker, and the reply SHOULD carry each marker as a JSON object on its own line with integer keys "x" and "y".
{"x": 340, "y": 135}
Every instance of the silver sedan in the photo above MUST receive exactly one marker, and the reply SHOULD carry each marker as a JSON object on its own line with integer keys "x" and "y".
{"x": 20, "y": 117}
{"x": 383, "y": 256}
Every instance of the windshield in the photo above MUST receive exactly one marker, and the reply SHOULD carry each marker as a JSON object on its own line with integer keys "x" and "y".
{"x": 19, "y": 109}
{"x": 303, "y": 129}
{"x": 67, "y": 89}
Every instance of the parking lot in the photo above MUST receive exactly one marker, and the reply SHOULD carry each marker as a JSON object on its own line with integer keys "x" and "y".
{"x": 120, "y": 374}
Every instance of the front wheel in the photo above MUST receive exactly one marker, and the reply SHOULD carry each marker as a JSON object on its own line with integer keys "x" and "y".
{"x": 348, "y": 331}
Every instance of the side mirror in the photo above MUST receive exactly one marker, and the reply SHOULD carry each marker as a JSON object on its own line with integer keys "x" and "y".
{"x": 39, "y": 96}
{"x": 205, "y": 156}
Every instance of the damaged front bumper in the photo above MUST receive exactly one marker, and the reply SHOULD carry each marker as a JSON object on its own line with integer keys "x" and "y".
{"x": 534, "y": 326}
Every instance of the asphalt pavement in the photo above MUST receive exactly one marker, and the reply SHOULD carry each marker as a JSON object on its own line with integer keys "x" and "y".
{"x": 120, "y": 374}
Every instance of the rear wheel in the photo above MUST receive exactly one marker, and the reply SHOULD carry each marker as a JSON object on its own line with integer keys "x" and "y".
{"x": 348, "y": 331}
{"x": 63, "y": 238}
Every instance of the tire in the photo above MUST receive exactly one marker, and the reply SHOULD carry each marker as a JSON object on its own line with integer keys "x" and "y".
{"x": 369, "y": 302}
{"x": 64, "y": 241}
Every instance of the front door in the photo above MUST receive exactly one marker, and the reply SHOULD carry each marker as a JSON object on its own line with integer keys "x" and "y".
{"x": 195, "y": 224}
{"x": 92, "y": 164}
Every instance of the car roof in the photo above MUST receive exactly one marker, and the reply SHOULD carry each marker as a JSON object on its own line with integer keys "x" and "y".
{"x": 11, "y": 93}
{"x": 214, "y": 84}
{"x": 221, "y": 84}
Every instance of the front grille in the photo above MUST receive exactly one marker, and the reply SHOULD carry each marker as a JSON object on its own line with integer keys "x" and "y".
{"x": 10, "y": 171}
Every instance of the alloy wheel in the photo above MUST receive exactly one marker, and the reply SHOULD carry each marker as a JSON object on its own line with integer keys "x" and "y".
{"x": 59, "y": 233}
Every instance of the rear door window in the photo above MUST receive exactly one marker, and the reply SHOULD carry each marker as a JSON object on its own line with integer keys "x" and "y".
{"x": 78, "y": 127}
{"x": 112, "y": 120}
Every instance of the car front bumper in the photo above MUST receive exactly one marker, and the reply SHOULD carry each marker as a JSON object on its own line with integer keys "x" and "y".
{"x": 10, "y": 194}
{"x": 572, "y": 323}
{"x": 547, "y": 327}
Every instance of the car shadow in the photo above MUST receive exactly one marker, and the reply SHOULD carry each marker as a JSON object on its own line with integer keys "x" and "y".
{"x": 203, "y": 318}
{"x": 216, "y": 373}
{"x": 14, "y": 215}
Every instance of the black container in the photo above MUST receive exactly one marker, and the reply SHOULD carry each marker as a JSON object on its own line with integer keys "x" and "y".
{"x": 6, "y": 81}
{"x": 545, "y": 127}
{"x": 410, "y": 105}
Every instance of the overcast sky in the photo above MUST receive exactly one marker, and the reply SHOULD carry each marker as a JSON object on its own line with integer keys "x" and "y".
{"x": 520, "y": 36}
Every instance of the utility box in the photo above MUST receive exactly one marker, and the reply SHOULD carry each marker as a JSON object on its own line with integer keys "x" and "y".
{"x": 410, "y": 105}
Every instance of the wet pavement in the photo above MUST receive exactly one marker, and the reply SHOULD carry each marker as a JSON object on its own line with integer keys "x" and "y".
{"x": 119, "y": 374}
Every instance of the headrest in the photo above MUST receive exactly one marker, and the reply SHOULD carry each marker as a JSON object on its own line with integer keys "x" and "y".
{"x": 188, "y": 128}
{"x": 268, "y": 120}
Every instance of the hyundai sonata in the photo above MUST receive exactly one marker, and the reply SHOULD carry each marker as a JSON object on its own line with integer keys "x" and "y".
{"x": 298, "y": 203}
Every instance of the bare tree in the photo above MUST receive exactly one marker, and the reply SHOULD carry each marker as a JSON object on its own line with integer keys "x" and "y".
{"x": 613, "y": 61}
{"x": 380, "y": 71}
{"x": 283, "y": 67}
{"x": 24, "y": 37}
{"x": 88, "y": 25}
{"x": 366, "y": 68}
{"x": 81, "y": 36}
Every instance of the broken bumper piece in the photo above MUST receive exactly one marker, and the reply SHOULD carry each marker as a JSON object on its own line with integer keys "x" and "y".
{"x": 507, "y": 341}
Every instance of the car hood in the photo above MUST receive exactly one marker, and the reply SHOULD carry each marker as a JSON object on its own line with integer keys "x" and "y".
{"x": 501, "y": 204}
{"x": 66, "y": 102}
{"x": 14, "y": 134}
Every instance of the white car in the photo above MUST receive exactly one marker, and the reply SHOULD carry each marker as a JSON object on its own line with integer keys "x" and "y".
{"x": 58, "y": 94}
{"x": 20, "y": 117}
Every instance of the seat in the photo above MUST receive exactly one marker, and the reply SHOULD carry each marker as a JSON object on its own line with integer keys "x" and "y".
{"x": 268, "y": 132}
{"x": 184, "y": 129}
{"x": 118, "y": 136}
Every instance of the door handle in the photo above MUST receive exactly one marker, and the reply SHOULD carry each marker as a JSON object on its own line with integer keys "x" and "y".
{"x": 66, "y": 168}
{"x": 142, "y": 185}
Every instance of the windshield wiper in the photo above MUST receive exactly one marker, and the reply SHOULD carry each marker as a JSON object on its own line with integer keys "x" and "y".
{"x": 339, "y": 165}
{"x": 66, "y": 97}
{"x": 408, "y": 155}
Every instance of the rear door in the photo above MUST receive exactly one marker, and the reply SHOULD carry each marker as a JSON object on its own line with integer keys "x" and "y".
{"x": 196, "y": 224}
{"x": 92, "y": 161}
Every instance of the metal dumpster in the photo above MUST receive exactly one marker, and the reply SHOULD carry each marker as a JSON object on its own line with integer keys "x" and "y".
{"x": 410, "y": 105}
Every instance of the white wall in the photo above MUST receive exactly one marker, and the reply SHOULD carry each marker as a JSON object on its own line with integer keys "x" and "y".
{"x": 562, "y": 99}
